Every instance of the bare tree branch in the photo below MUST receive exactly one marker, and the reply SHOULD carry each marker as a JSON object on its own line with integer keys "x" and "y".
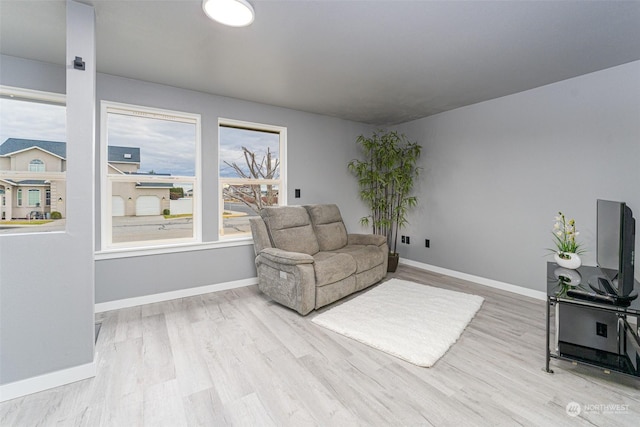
{"x": 251, "y": 194}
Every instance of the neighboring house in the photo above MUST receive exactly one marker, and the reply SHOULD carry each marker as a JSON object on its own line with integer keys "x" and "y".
{"x": 143, "y": 198}
{"x": 33, "y": 174}
{"x": 40, "y": 186}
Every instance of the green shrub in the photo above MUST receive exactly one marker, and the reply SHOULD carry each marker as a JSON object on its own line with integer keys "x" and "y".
{"x": 56, "y": 215}
{"x": 176, "y": 193}
{"x": 166, "y": 212}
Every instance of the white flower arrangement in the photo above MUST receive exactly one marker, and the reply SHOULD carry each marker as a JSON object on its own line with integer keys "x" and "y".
{"x": 565, "y": 233}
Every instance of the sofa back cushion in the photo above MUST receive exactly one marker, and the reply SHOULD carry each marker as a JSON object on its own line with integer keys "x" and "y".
{"x": 290, "y": 229}
{"x": 328, "y": 225}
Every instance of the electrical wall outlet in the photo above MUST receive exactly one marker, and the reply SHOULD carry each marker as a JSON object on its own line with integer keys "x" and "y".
{"x": 601, "y": 329}
{"x": 408, "y": 240}
{"x": 402, "y": 239}
{"x": 426, "y": 243}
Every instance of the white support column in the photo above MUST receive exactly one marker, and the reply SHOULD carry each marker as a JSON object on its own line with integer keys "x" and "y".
{"x": 53, "y": 306}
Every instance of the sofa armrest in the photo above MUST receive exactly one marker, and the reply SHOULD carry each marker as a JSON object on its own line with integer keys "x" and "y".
{"x": 366, "y": 239}
{"x": 260, "y": 235}
{"x": 288, "y": 278}
{"x": 279, "y": 256}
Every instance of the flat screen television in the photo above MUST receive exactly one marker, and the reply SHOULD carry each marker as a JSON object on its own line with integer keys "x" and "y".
{"x": 615, "y": 246}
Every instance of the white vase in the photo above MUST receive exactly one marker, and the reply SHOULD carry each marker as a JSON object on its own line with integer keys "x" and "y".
{"x": 570, "y": 260}
{"x": 567, "y": 276}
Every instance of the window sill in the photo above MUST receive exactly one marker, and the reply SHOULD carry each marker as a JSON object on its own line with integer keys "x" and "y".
{"x": 170, "y": 249}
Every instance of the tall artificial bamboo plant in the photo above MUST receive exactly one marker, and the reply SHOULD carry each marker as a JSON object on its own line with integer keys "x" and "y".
{"x": 386, "y": 177}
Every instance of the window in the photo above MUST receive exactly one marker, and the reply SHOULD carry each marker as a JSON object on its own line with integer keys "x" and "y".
{"x": 36, "y": 165}
{"x": 34, "y": 197}
{"x": 32, "y": 156}
{"x": 251, "y": 173}
{"x": 150, "y": 170}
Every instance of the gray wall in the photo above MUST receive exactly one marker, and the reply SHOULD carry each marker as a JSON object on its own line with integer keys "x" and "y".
{"x": 494, "y": 176}
{"x": 47, "y": 279}
{"x": 496, "y": 173}
{"x": 318, "y": 149}
{"x": 47, "y": 314}
{"x": 137, "y": 276}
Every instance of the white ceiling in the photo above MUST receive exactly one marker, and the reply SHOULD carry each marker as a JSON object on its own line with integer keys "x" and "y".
{"x": 377, "y": 62}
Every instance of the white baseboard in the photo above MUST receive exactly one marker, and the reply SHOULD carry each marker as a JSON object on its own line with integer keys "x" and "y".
{"x": 477, "y": 279}
{"x": 166, "y": 296}
{"x": 46, "y": 381}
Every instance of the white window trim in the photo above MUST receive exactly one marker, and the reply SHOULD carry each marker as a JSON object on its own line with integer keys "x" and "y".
{"x": 33, "y": 95}
{"x": 42, "y": 97}
{"x": 281, "y": 182}
{"x": 106, "y": 243}
{"x": 172, "y": 248}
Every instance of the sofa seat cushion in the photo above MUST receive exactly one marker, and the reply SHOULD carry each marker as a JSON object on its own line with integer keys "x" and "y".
{"x": 290, "y": 229}
{"x": 331, "y": 267}
{"x": 365, "y": 256}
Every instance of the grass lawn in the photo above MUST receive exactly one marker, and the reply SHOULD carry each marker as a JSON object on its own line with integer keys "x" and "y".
{"x": 26, "y": 222}
{"x": 177, "y": 216}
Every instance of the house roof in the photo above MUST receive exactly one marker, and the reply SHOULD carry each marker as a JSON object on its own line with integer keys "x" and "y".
{"x": 116, "y": 154}
{"x": 26, "y": 182}
{"x": 154, "y": 185}
{"x": 13, "y": 145}
{"x": 32, "y": 182}
{"x": 124, "y": 154}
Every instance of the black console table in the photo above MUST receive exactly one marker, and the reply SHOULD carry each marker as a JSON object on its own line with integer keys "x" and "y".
{"x": 590, "y": 332}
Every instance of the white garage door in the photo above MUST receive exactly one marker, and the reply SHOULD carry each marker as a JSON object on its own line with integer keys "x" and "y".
{"x": 147, "y": 205}
{"x": 117, "y": 206}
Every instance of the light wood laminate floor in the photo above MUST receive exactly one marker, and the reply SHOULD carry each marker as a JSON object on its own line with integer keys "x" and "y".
{"x": 236, "y": 358}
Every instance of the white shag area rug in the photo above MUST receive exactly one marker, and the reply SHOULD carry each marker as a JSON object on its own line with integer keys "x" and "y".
{"x": 417, "y": 323}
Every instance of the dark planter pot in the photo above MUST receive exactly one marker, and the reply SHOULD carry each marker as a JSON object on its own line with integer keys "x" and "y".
{"x": 393, "y": 262}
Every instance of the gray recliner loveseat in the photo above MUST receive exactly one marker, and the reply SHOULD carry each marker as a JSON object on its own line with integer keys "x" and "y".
{"x": 306, "y": 259}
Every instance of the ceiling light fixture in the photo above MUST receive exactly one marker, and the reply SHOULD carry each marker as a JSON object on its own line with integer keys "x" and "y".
{"x": 235, "y": 13}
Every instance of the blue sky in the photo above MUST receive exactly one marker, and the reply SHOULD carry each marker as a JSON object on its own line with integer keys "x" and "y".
{"x": 232, "y": 140}
{"x": 31, "y": 120}
{"x": 165, "y": 146}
